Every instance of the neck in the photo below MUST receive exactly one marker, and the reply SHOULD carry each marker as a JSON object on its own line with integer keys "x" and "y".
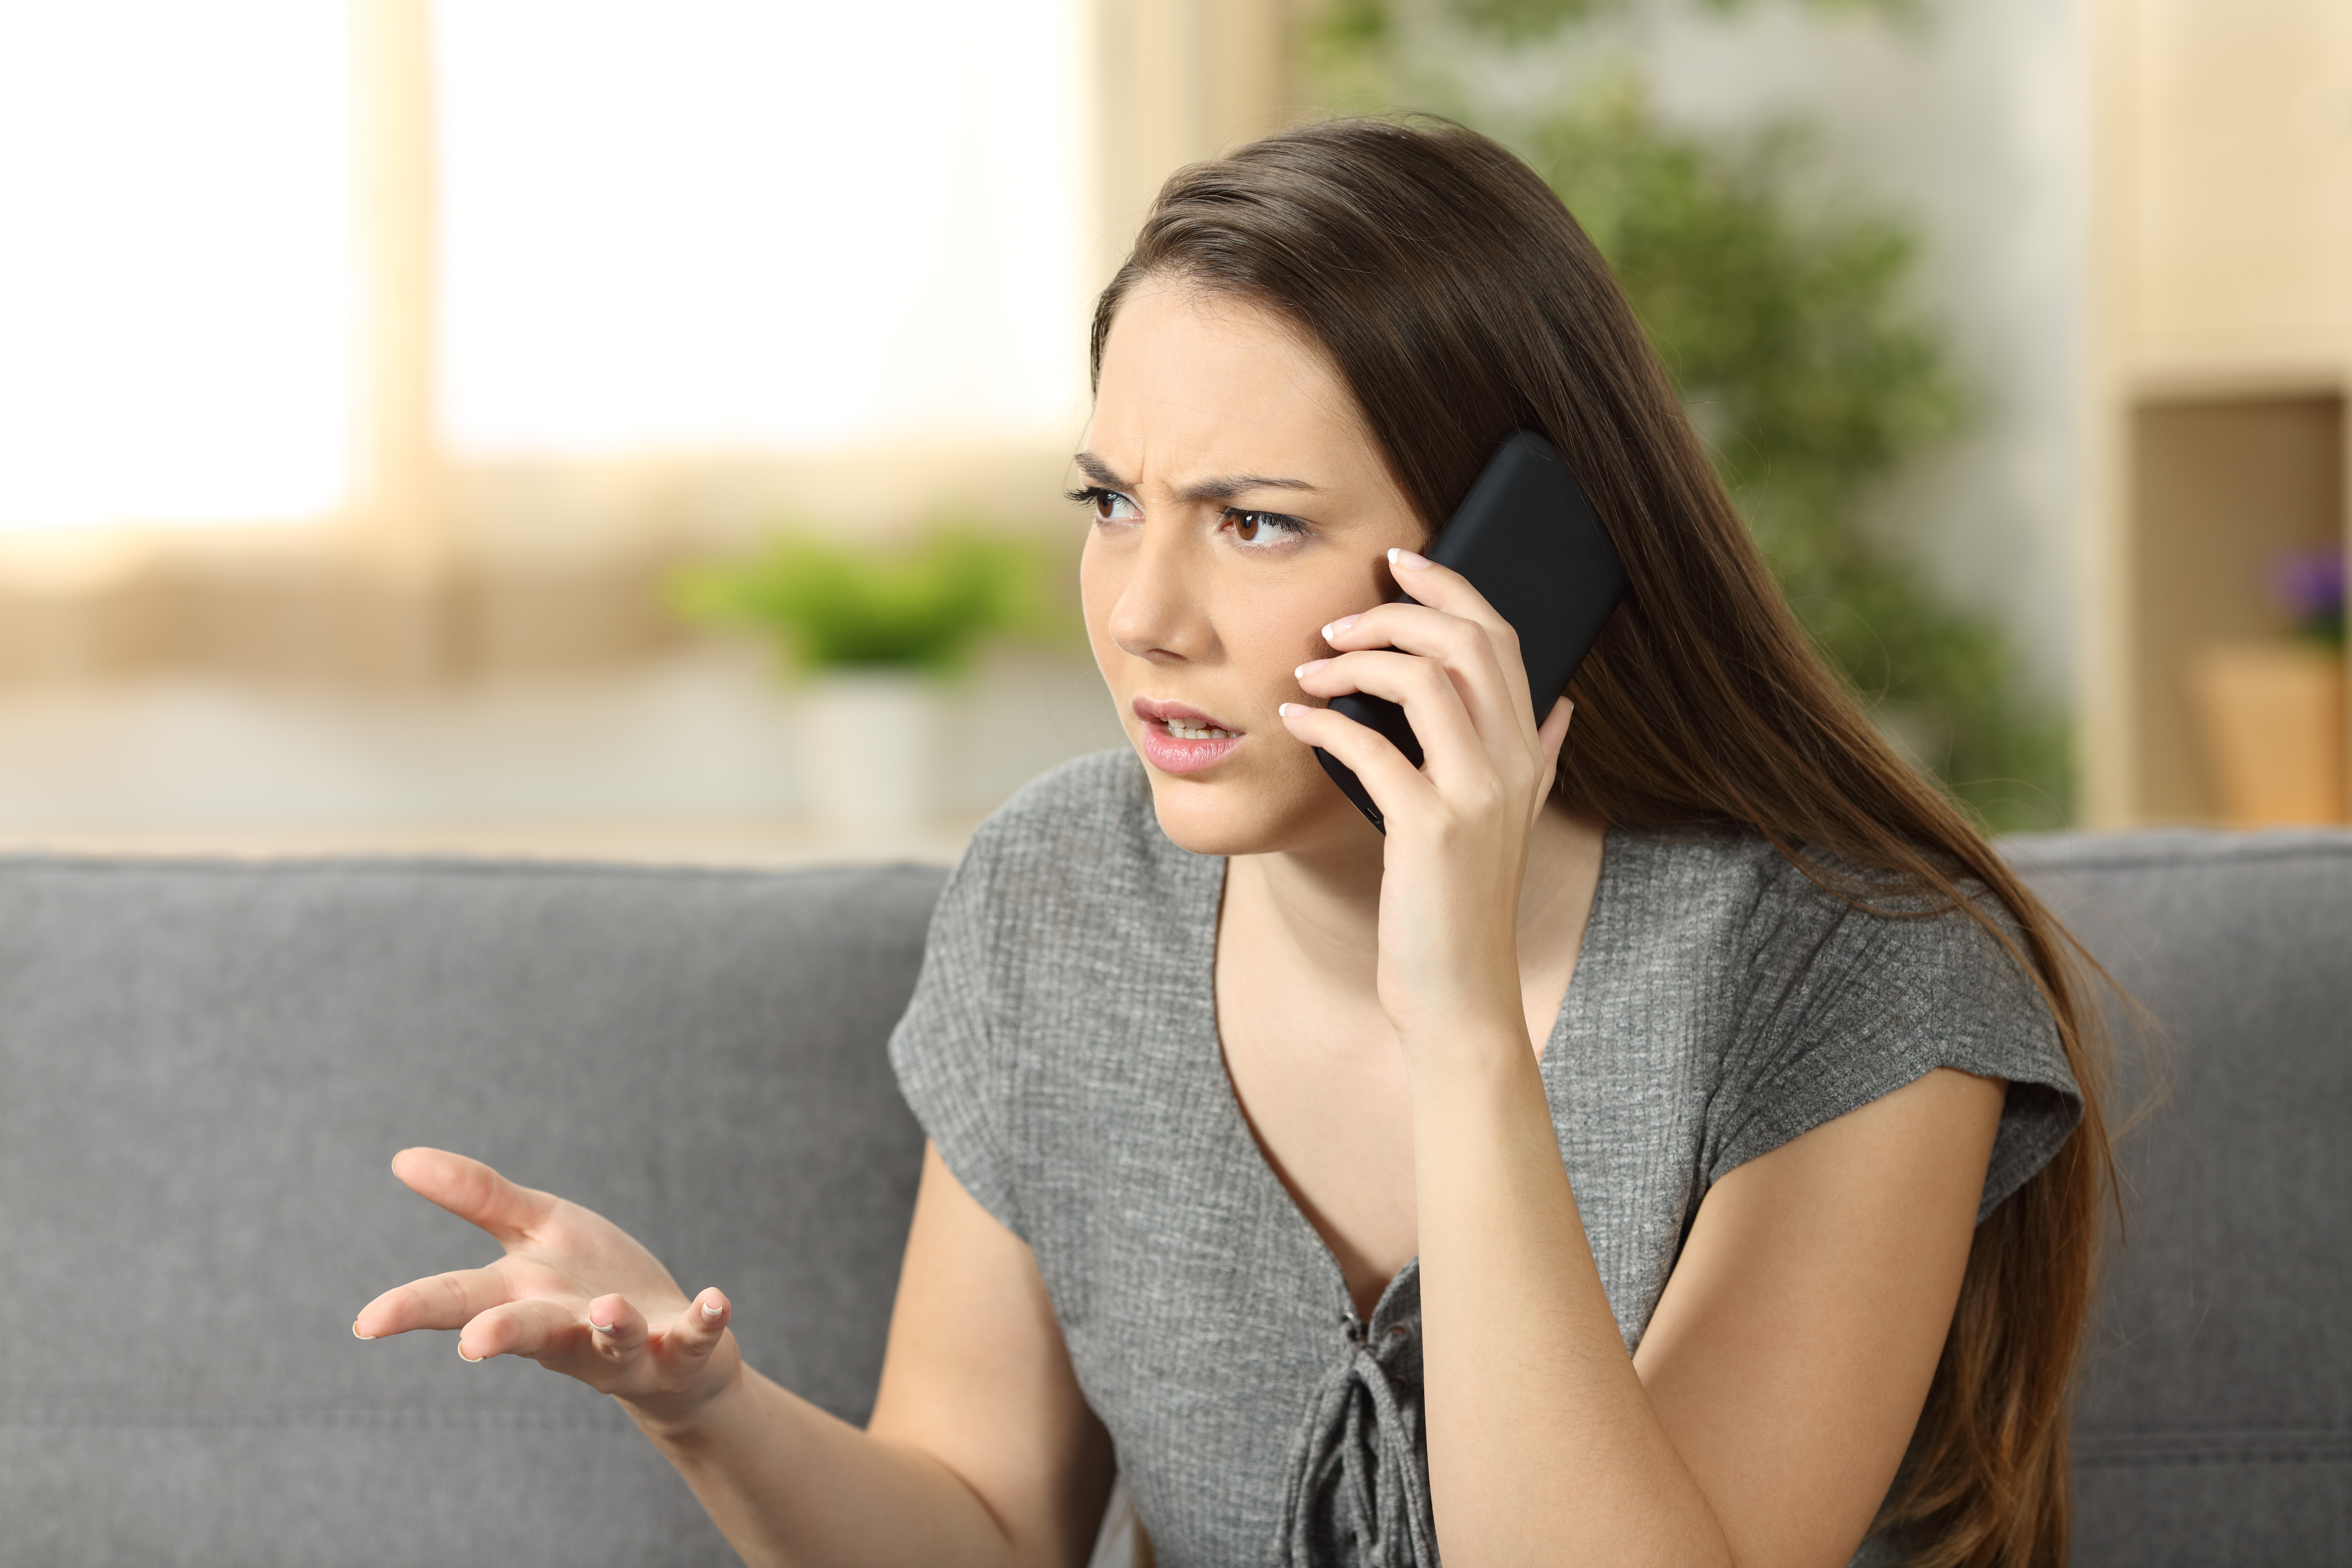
{"x": 1322, "y": 901}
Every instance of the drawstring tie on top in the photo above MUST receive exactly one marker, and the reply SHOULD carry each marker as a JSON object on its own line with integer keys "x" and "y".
{"x": 1358, "y": 1493}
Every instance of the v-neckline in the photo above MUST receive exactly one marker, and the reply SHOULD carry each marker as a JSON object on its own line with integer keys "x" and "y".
{"x": 1393, "y": 1302}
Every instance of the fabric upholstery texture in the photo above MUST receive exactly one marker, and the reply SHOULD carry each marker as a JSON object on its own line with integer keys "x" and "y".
{"x": 203, "y": 1067}
{"x": 2215, "y": 1426}
{"x": 203, "y": 1070}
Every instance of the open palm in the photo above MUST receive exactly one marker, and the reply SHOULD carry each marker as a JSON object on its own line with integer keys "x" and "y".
{"x": 573, "y": 1293}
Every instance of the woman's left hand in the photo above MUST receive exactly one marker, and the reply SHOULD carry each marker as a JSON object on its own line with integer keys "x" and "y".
{"x": 1458, "y": 825}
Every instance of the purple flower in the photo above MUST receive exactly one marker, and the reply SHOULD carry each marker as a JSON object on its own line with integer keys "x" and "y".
{"x": 2309, "y": 585}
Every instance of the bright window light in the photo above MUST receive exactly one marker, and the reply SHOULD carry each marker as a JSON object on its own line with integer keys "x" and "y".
{"x": 175, "y": 261}
{"x": 712, "y": 224}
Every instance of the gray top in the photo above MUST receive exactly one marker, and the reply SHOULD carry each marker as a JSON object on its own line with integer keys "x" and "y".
{"x": 1061, "y": 1050}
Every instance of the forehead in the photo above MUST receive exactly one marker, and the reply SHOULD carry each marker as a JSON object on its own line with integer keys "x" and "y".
{"x": 1191, "y": 379}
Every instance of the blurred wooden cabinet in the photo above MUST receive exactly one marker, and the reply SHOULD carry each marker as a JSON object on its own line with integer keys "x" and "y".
{"x": 2223, "y": 277}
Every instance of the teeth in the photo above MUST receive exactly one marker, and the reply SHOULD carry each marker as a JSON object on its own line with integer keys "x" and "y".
{"x": 1183, "y": 731}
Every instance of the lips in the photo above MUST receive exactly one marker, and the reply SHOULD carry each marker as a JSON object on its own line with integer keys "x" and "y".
{"x": 1180, "y": 739}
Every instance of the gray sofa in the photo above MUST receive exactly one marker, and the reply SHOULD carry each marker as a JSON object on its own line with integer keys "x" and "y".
{"x": 205, "y": 1066}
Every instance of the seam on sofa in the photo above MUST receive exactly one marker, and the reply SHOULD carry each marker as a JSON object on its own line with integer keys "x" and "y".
{"x": 593, "y": 1417}
{"x": 448, "y": 865}
{"x": 2212, "y": 1445}
{"x": 2123, "y": 853}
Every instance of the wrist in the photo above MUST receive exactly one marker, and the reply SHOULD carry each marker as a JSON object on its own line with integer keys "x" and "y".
{"x": 686, "y": 1419}
{"x": 1470, "y": 1057}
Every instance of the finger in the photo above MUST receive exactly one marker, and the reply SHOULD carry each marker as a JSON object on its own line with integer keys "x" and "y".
{"x": 1451, "y": 741}
{"x": 534, "y": 1329}
{"x": 697, "y": 1331}
{"x": 1482, "y": 655}
{"x": 1443, "y": 588}
{"x": 620, "y": 1328}
{"x": 449, "y": 1300}
{"x": 1395, "y": 786}
{"x": 473, "y": 1192}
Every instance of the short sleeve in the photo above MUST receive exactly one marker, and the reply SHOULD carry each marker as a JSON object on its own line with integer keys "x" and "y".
{"x": 1844, "y": 1006}
{"x": 949, "y": 1049}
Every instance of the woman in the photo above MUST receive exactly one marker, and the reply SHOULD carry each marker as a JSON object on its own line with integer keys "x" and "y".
{"x": 1327, "y": 1180}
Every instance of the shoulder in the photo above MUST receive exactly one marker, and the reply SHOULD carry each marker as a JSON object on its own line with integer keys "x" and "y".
{"x": 1079, "y": 837}
{"x": 1073, "y": 863}
{"x": 1821, "y": 923}
{"x": 1098, "y": 802}
{"x": 1061, "y": 899}
{"x": 1833, "y": 983}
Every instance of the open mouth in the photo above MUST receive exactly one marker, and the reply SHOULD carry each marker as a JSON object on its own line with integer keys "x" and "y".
{"x": 1185, "y": 722}
{"x": 1178, "y": 738}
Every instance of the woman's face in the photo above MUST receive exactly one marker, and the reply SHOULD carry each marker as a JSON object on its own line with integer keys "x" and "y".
{"x": 1239, "y": 506}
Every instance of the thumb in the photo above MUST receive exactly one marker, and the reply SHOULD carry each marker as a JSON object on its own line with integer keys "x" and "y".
{"x": 694, "y": 1332}
{"x": 1551, "y": 736}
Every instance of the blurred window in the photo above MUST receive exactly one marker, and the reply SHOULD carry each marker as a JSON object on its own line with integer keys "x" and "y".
{"x": 175, "y": 261}
{"x": 681, "y": 225}
{"x": 710, "y": 224}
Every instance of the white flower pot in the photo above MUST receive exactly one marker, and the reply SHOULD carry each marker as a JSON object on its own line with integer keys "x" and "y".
{"x": 867, "y": 747}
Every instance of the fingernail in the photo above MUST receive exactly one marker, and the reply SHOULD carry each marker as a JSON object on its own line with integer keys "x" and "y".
{"x": 711, "y": 1309}
{"x": 1285, "y": 708}
{"x": 355, "y": 1330}
{"x": 1313, "y": 664}
{"x": 1408, "y": 560}
{"x": 600, "y": 1328}
{"x": 1336, "y": 628}
{"x": 474, "y": 1360}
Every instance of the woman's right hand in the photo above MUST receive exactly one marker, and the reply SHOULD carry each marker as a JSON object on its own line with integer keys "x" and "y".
{"x": 574, "y": 1293}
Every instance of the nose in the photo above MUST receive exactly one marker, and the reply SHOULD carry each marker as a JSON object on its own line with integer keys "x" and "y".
{"x": 1159, "y": 614}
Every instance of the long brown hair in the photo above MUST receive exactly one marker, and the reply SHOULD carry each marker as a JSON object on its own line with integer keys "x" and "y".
{"x": 1460, "y": 302}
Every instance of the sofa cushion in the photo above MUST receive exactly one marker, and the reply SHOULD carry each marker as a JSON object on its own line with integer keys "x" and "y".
{"x": 203, "y": 1070}
{"x": 2215, "y": 1426}
{"x": 203, "y": 1067}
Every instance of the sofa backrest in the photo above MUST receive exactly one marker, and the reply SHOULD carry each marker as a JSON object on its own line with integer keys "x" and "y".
{"x": 203, "y": 1070}
{"x": 204, "y": 1066}
{"x": 2215, "y": 1426}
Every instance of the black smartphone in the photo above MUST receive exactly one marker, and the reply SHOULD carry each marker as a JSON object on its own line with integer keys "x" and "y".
{"x": 1527, "y": 539}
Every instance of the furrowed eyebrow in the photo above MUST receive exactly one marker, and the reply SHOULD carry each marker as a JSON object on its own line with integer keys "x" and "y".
{"x": 1223, "y": 488}
{"x": 1095, "y": 469}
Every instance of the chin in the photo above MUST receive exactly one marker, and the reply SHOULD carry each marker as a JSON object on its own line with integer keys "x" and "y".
{"x": 1257, "y": 812}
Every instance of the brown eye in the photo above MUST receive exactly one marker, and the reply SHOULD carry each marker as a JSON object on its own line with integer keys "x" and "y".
{"x": 1107, "y": 504}
{"x": 1261, "y": 528}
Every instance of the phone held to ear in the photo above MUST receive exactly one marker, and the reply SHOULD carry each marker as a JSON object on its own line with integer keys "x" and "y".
{"x": 1528, "y": 540}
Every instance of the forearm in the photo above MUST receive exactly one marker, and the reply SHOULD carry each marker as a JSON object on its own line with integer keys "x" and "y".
{"x": 789, "y": 1484}
{"x": 1543, "y": 1446}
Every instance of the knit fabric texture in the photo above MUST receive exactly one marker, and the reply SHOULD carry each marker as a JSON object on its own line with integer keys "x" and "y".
{"x": 1061, "y": 1050}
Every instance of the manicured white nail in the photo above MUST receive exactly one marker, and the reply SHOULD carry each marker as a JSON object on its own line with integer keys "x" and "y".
{"x": 1307, "y": 669}
{"x": 1408, "y": 560}
{"x": 1336, "y": 628}
{"x": 600, "y": 1328}
{"x": 476, "y": 1360}
{"x": 1285, "y": 708}
{"x": 355, "y": 1330}
{"x": 711, "y": 1309}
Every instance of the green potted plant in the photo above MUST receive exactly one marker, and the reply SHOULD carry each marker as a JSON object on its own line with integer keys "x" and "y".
{"x": 873, "y": 632}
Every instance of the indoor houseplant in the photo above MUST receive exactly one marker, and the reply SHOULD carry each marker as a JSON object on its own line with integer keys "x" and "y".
{"x": 872, "y": 631}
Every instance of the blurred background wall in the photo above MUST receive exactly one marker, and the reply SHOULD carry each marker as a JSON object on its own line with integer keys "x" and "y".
{"x": 374, "y": 374}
